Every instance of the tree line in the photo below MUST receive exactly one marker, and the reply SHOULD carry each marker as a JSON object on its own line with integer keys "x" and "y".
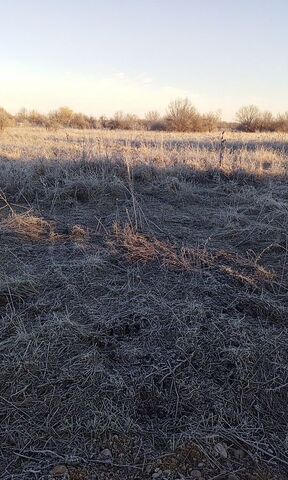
{"x": 181, "y": 116}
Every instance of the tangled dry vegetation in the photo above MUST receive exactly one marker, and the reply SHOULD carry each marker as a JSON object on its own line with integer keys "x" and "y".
{"x": 143, "y": 305}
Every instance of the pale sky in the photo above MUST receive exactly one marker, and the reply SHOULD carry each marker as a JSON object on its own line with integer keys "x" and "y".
{"x": 100, "y": 56}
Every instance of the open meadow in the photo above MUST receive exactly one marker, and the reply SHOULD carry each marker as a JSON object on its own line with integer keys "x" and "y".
{"x": 143, "y": 305}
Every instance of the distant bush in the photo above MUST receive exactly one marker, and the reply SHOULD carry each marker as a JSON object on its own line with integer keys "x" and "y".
{"x": 63, "y": 116}
{"x": 21, "y": 116}
{"x": 37, "y": 119}
{"x": 182, "y": 116}
{"x": 33, "y": 118}
{"x": 210, "y": 121}
{"x": 79, "y": 120}
{"x": 154, "y": 122}
{"x": 67, "y": 118}
{"x": 248, "y": 118}
{"x": 93, "y": 122}
{"x": 123, "y": 121}
{"x": 6, "y": 120}
{"x": 282, "y": 122}
{"x": 266, "y": 122}
{"x": 251, "y": 119}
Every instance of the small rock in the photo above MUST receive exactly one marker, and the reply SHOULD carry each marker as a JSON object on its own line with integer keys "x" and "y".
{"x": 157, "y": 474}
{"x": 221, "y": 449}
{"x": 196, "y": 474}
{"x": 200, "y": 464}
{"x": 106, "y": 456}
{"x": 60, "y": 471}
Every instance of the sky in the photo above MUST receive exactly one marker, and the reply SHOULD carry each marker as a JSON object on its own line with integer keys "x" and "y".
{"x": 102, "y": 56}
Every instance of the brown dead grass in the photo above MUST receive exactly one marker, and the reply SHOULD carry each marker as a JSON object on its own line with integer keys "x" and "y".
{"x": 37, "y": 229}
{"x": 30, "y": 226}
{"x": 140, "y": 248}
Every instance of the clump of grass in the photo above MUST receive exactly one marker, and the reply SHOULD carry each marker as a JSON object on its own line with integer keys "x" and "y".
{"x": 141, "y": 248}
{"x": 79, "y": 233}
{"x": 30, "y": 226}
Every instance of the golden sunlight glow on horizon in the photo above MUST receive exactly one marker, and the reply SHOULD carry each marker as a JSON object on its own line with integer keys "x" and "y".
{"x": 100, "y": 95}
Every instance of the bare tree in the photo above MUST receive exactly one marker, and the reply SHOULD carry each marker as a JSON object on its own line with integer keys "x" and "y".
{"x": 182, "y": 116}
{"x": 154, "y": 121}
{"x": 63, "y": 116}
{"x": 36, "y": 118}
{"x": 266, "y": 122}
{"x": 210, "y": 121}
{"x": 125, "y": 121}
{"x": 248, "y": 118}
{"x": 282, "y": 122}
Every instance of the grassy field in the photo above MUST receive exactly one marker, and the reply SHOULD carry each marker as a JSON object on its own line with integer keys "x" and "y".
{"x": 143, "y": 305}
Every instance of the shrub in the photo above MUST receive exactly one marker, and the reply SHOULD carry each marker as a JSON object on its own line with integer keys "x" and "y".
{"x": 153, "y": 121}
{"x": 210, "y": 121}
{"x": 124, "y": 122}
{"x": 103, "y": 121}
{"x": 248, "y": 118}
{"x": 251, "y": 119}
{"x": 282, "y": 122}
{"x": 182, "y": 116}
{"x": 79, "y": 120}
{"x": 22, "y": 116}
{"x": 266, "y": 122}
{"x": 93, "y": 122}
{"x": 6, "y": 119}
{"x": 63, "y": 116}
{"x": 36, "y": 118}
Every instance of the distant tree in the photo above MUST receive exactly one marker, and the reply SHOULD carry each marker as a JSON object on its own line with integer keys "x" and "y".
{"x": 266, "y": 122}
{"x": 21, "y": 116}
{"x": 37, "y": 119}
{"x": 210, "y": 121}
{"x": 182, "y": 116}
{"x": 63, "y": 116}
{"x": 282, "y": 122}
{"x": 152, "y": 116}
{"x": 153, "y": 121}
{"x": 6, "y": 119}
{"x": 93, "y": 122}
{"x": 124, "y": 121}
{"x": 103, "y": 121}
{"x": 79, "y": 120}
{"x": 248, "y": 118}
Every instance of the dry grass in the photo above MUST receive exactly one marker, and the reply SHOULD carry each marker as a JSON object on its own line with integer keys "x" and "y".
{"x": 255, "y": 153}
{"x": 140, "y": 248}
{"x": 143, "y": 306}
{"x": 29, "y": 226}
